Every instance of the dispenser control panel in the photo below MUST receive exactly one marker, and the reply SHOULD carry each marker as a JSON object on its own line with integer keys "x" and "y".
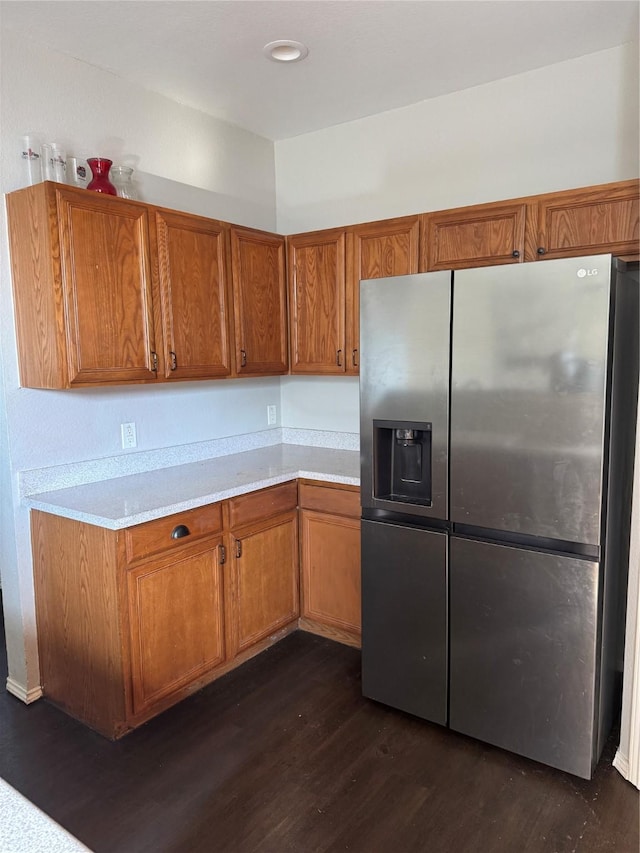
{"x": 402, "y": 461}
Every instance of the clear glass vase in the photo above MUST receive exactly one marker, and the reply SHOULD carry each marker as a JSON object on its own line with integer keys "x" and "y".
{"x": 121, "y": 178}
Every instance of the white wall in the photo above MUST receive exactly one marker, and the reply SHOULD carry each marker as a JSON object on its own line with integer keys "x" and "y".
{"x": 93, "y": 113}
{"x": 628, "y": 756}
{"x": 567, "y": 125}
{"x": 184, "y": 159}
{"x": 301, "y": 410}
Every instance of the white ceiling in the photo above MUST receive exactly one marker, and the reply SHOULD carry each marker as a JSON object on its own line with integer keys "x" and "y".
{"x": 365, "y": 56}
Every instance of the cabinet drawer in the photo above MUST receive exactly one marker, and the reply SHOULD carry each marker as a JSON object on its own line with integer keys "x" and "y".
{"x": 258, "y": 505}
{"x": 153, "y": 537}
{"x": 337, "y": 501}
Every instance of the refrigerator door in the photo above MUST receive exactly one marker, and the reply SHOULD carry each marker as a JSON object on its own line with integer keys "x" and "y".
{"x": 523, "y": 651}
{"x": 404, "y": 618}
{"x": 528, "y": 397}
{"x": 404, "y": 389}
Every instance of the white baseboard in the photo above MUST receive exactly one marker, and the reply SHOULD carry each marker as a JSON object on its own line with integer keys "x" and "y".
{"x": 26, "y": 696}
{"x": 622, "y": 765}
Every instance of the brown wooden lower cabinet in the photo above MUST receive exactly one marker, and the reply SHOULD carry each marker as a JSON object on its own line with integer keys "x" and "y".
{"x": 265, "y": 568}
{"x": 176, "y": 619}
{"x": 264, "y": 563}
{"x": 131, "y": 621}
{"x": 81, "y": 610}
{"x": 330, "y": 561}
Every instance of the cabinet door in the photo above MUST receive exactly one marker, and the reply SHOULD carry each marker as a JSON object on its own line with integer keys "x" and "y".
{"x": 589, "y": 221}
{"x": 478, "y": 236}
{"x": 376, "y": 250}
{"x": 265, "y": 570}
{"x": 193, "y": 286}
{"x": 259, "y": 302}
{"x": 316, "y": 264}
{"x": 331, "y": 569}
{"x": 107, "y": 289}
{"x": 176, "y": 615}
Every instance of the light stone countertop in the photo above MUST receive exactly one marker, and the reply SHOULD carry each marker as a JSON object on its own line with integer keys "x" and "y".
{"x": 123, "y": 501}
{"x": 26, "y": 829}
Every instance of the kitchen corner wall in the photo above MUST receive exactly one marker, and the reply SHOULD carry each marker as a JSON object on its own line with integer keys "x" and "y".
{"x": 185, "y": 160}
{"x": 566, "y": 125}
{"x": 572, "y": 124}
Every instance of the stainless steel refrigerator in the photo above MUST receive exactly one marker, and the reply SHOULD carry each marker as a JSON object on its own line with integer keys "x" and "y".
{"x": 497, "y": 413}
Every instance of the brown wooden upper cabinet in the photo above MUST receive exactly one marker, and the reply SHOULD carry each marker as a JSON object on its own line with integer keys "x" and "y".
{"x": 110, "y": 291}
{"x": 194, "y": 295}
{"x": 477, "y": 236}
{"x": 259, "y": 302}
{"x": 588, "y": 221}
{"x": 376, "y": 250}
{"x": 316, "y": 272}
{"x": 325, "y": 269}
{"x": 82, "y": 288}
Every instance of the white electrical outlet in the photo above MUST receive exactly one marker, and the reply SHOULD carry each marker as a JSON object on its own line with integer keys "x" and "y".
{"x": 272, "y": 415}
{"x": 128, "y": 434}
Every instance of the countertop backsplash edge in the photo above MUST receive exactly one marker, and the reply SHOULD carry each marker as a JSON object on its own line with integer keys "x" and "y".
{"x": 38, "y": 480}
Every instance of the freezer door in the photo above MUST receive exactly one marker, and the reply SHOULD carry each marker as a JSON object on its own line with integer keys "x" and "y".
{"x": 404, "y": 381}
{"x": 528, "y": 397}
{"x": 523, "y": 651}
{"x": 404, "y": 618}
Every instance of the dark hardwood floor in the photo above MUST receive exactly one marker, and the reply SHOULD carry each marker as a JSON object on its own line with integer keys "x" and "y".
{"x": 284, "y": 754}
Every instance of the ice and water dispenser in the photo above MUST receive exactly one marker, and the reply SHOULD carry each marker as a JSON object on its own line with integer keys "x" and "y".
{"x": 402, "y": 461}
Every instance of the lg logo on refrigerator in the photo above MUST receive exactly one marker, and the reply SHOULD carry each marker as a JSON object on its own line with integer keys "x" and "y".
{"x": 583, "y": 273}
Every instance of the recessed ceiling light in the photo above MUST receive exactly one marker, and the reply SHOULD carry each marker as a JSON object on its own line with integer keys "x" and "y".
{"x": 285, "y": 50}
